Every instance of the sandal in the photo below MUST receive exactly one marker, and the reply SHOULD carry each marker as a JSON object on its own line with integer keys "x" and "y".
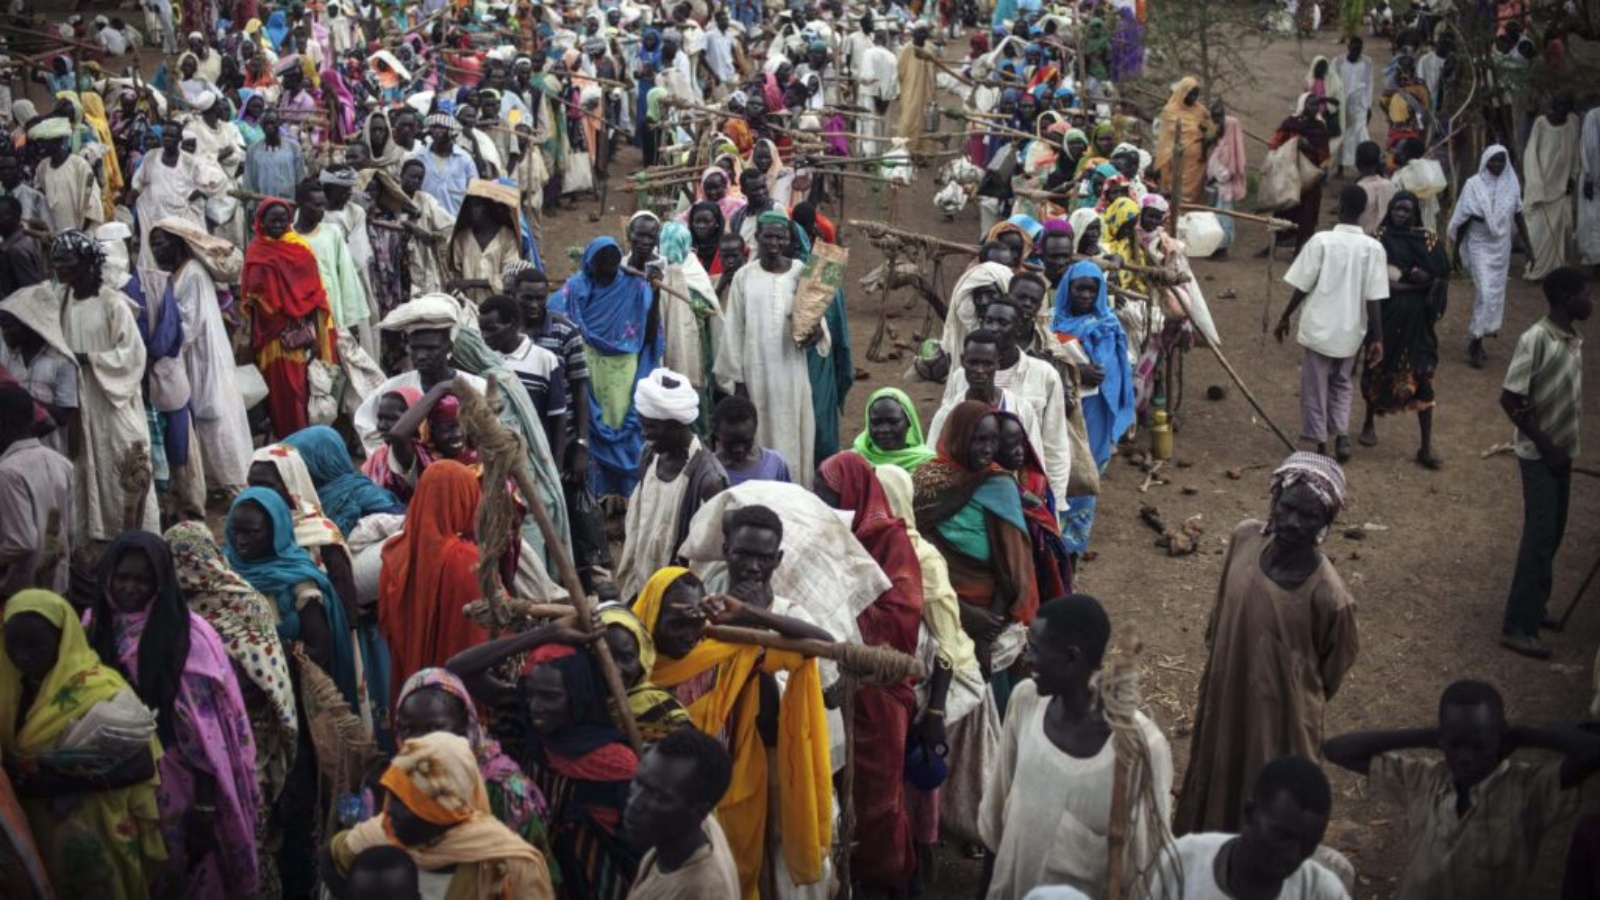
{"x": 1430, "y": 460}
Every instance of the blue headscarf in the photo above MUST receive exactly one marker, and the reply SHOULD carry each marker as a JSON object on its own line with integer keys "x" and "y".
{"x": 345, "y": 494}
{"x": 277, "y": 575}
{"x": 612, "y": 317}
{"x": 277, "y": 28}
{"x": 1108, "y": 414}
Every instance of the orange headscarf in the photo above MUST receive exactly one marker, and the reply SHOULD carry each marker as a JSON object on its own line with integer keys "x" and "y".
{"x": 430, "y": 571}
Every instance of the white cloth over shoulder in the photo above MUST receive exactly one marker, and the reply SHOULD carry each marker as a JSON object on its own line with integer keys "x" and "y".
{"x": 825, "y": 570}
{"x": 1589, "y": 174}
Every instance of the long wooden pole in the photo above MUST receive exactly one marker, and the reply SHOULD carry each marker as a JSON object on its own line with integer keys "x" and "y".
{"x": 556, "y": 547}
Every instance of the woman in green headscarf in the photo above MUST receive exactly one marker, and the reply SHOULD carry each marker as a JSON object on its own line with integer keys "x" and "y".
{"x": 893, "y": 436}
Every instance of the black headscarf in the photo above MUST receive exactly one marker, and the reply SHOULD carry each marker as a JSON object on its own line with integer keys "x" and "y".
{"x": 707, "y": 252}
{"x": 164, "y": 646}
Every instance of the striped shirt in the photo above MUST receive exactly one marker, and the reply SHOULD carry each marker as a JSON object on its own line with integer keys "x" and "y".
{"x": 541, "y": 373}
{"x": 1547, "y": 368}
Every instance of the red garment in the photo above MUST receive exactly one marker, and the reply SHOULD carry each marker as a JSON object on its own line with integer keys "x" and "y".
{"x": 430, "y": 571}
{"x": 281, "y": 288}
{"x": 884, "y": 855}
{"x": 894, "y": 618}
{"x": 281, "y": 275}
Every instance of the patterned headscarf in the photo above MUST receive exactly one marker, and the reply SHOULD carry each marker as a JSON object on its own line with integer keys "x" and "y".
{"x": 247, "y": 622}
{"x": 82, "y": 244}
{"x": 1320, "y": 473}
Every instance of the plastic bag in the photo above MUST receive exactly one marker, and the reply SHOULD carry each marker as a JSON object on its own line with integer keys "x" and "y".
{"x": 322, "y": 407}
{"x": 1280, "y": 186}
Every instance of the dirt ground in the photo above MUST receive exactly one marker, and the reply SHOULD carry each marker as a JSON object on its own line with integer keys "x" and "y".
{"x": 1436, "y": 551}
{"x": 1435, "y": 558}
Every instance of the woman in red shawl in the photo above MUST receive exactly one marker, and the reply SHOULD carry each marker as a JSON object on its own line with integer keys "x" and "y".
{"x": 1051, "y": 561}
{"x": 290, "y": 324}
{"x": 883, "y": 856}
{"x": 430, "y": 571}
{"x": 969, "y": 507}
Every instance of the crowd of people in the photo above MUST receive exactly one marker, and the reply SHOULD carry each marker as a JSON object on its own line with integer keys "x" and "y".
{"x": 349, "y": 548}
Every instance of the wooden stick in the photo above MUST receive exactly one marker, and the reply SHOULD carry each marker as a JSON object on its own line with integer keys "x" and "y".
{"x": 1271, "y": 222}
{"x": 556, "y": 546}
{"x": 837, "y": 651}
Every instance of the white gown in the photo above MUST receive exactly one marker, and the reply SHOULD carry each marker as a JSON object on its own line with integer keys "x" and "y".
{"x": 111, "y": 406}
{"x": 1550, "y": 164}
{"x": 219, "y": 417}
{"x": 756, "y": 350}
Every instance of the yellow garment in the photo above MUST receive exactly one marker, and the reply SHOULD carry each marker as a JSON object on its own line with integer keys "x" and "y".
{"x": 941, "y": 610}
{"x": 916, "y": 90}
{"x": 654, "y": 709}
{"x": 94, "y": 115}
{"x": 105, "y": 838}
{"x": 1192, "y": 126}
{"x": 1122, "y": 211}
{"x": 436, "y": 776}
{"x": 805, "y": 786}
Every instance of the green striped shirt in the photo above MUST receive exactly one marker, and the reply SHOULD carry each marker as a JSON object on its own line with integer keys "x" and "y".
{"x": 1547, "y": 368}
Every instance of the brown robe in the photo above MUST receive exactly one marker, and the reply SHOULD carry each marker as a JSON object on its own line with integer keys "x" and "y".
{"x": 1276, "y": 658}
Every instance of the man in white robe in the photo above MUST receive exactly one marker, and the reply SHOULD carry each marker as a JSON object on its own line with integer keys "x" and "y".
{"x": 66, "y": 179}
{"x": 1550, "y": 168}
{"x": 220, "y": 420}
{"x": 1589, "y": 191}
{"x": 1046, "y": 814}
{"x": 879, "y": 87}
{"x": 1355, "y": 71}
{"x": 165, "y": 186}
{"x": 101, "y": 331}
{"x": 759, "y": 358}
{"x": 677, "y": 476}
{"x": 219, "y": 142}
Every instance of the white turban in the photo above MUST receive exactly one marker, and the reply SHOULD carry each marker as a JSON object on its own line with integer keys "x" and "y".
{"x": 54, "y": 128}
{"x": 205, "y": 101}
{"x": 429, "y": 311}
{"x": 666, "y": 395}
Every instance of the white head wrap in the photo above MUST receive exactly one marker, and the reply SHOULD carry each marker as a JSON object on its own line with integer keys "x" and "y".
{"x": 429, "y": 311}
{"x": 205, "y": 101}
{"x": 54, "y": 128}
{"x": 666, "y": 395}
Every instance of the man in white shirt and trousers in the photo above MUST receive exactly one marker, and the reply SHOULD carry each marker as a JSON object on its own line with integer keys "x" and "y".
{"x": 1341, "y": 276}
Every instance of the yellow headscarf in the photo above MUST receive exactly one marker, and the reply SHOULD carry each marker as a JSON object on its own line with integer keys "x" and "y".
{"x": 1122, "y": 211}
{"x": 804, "y": 772}
{"x": 94, "y": 115}
{"x": 655, "y": 711}
{"x": 126, "y": 820}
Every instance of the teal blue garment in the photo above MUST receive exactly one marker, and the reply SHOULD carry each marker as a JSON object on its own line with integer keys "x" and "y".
{"x": 279, "y": 574}
{"x": 471, "y": 354}
{"x": 347, "y": 496}
{"x": 831, "y": 378}
{"x": 968, "y": 529}
{"x": 1004, "y": 11}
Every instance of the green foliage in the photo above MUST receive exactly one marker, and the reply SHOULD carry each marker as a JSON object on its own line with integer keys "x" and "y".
{"x": 1214, "y": 39}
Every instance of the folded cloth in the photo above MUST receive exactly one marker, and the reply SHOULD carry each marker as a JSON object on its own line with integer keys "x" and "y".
{"x": 429, "y": 311}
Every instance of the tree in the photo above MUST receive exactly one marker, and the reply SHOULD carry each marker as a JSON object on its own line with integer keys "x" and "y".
{"x": 1212, "y": 39}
